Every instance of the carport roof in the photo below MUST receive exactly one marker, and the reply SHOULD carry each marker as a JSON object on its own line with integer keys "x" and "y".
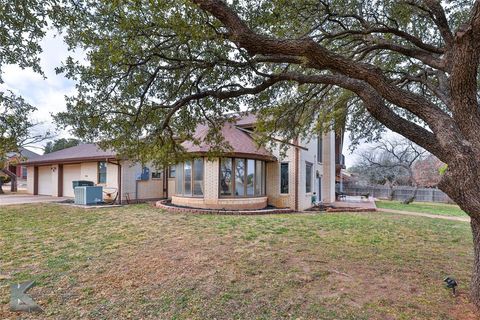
{"x": 80, "y": 153}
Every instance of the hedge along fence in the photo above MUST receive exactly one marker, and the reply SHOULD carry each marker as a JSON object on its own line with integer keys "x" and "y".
{"x": 400, "y": 193}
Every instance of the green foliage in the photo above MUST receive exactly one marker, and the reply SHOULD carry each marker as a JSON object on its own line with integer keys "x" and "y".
{"x": 157, "y": 69}
{"x": 23, "y": 25}
{"x": 15, "y": 124}
{"x": 149, "y": 62}
{"x": 443, "y": 169}
{"x": 60, "y": 144}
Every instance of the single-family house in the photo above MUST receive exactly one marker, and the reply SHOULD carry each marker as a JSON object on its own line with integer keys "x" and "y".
{"x": 245, "y": 177}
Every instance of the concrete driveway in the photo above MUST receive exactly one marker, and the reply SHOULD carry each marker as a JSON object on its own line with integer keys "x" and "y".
{"x": 8, "y": 199}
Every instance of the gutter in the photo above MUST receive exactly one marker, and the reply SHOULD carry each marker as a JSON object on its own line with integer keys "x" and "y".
{"x": 66, "y": 161}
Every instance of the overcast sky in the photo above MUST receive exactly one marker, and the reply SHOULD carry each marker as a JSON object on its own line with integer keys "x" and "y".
{"x": 48, "y": 95}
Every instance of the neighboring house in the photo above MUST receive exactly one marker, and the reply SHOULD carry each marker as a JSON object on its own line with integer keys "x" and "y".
{"x": 15, "y": 158}
{"x": 248, "y": 177}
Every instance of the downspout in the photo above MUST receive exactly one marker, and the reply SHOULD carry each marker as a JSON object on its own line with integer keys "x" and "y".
{"x": 295, "y": 161}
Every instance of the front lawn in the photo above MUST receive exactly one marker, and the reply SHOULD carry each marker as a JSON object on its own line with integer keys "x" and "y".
{"x": 139, "y": 262}
{"x": 423, "y": 207}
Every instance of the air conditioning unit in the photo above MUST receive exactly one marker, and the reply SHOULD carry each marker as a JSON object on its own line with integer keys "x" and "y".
{"x": 88, "y": 195}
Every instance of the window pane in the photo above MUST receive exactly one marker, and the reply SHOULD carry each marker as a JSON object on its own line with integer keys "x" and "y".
{"x": 187, "y": 172}
{"x": 240, "y": 177}
{"x": 102, "y": 172}
{"x": 308, "y": 178}
{"x": 250, "y": 176}
{"x": 156, "y": 175}
{"x": 284, "y": 178}
{"x": 198, "y": 177}
{"x": 259, "y": 178}
{"x": 172, "y": 171}
{"x": 319, "y": 147}
{"x": 226, "y": 177}
{"x": 179, "y": 183}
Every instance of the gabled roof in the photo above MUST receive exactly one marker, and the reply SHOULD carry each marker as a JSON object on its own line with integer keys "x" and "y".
{"x": 241, "y": 142}
{"x": 82, "y": 152}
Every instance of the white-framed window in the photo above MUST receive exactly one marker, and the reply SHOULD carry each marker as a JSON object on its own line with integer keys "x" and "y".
{"x": 189, "y": 175}
{"x": 308, "y": 177}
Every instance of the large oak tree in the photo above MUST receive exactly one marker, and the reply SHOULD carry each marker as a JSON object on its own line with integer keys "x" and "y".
{"x": 155, "y": 69}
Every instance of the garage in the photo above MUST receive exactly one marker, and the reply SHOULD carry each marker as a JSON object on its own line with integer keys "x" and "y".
{"x": 45, "y": 180}
{"x": 71, "y": 172}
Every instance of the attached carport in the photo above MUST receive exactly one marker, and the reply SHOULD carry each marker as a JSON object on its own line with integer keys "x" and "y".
{"x": 52, "y": 174}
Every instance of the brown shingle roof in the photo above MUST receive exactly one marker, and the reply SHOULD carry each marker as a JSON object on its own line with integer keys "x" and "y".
{"x": 83, "y": 152}
{"x": 240, "y": 141}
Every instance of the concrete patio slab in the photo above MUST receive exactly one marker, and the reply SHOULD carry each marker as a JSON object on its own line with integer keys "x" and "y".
{"x": 12, "y": 199}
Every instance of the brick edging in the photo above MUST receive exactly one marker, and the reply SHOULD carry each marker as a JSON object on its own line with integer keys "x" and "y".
{"x": 162, "y": 204}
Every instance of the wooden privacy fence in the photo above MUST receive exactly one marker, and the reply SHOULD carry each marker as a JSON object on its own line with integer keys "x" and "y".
{"x": 399, "y": 193}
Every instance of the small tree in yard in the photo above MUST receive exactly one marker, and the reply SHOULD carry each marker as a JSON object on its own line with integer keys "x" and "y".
{"x": 428, "y": 171}
{"x": 23, "y": 25}
{"x": 392, "y": 162}
{"x": 157, "y": 69}
{"x": 16, "y": 131}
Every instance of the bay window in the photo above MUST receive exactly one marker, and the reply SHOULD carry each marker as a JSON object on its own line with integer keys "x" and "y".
{"x": 241, "y": 177}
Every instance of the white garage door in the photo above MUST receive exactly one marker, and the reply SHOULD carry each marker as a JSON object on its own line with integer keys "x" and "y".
{"x": 71, "y": 172}
{"x": 45, "y": 180}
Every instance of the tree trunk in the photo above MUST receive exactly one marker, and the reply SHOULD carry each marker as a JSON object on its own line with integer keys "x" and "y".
{"x": 461, "y": 182}
{"x": 475, "y": 284}
{"x": 412, "y": 198}
{"x": 1, "y": 184}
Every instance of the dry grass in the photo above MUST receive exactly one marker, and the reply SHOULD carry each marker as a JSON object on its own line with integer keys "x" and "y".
{"x": 139, "y": 262}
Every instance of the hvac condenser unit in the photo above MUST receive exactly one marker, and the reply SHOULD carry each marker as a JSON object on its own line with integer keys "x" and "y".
{"x": 88, "y": 195}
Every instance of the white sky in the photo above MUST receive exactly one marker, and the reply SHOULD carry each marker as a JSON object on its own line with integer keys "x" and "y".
{"x": 48, "y": 95}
